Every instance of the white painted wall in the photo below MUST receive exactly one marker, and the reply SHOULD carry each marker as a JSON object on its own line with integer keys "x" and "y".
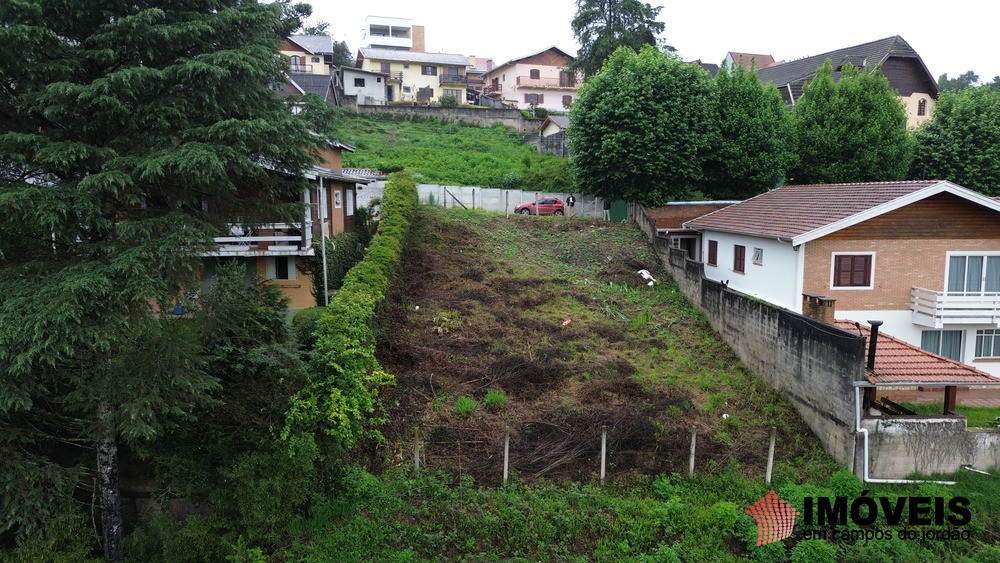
{"x": 774, "y": 280}
{"x": 372, "y": 93}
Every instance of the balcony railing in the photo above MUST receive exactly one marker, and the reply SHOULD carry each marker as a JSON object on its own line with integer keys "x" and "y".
{"x": 453, "y": 79}
{"x": 269, "y": 239}
{"x": 394, "y": 77}
{"x": 938, "y": 308}
{"x": 547, "y": 82}
{"x": 301, "y": 68}
{"x": 493, "y": 89}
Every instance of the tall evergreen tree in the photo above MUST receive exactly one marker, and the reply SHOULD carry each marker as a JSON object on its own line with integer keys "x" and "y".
{"x": 602, "y": 26}
{"x": 642, "y": 127}
{"x": 129, "y": 134}
{"x": 755, "y": 144}
{"x": 853, "y": 130}
{"x": 962, "y": 142}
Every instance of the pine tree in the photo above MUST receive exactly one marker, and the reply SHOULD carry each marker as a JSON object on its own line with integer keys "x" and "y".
{"x": 129, "y": 134}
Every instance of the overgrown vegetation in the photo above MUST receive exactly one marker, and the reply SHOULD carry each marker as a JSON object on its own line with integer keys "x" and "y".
{"x": 977, "y": 417}
{"x": 554, "y": 318}
{"x": 440, "y": 152}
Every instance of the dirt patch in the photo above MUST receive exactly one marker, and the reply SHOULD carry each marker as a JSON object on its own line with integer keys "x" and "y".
{"x": 461, "y": 323}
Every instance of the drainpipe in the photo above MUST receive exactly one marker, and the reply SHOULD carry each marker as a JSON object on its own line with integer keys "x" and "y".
{"x": 873, "y": 344}
{"x": 864, "y": 432}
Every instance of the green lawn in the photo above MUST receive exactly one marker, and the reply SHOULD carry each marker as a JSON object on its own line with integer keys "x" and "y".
{"x": 978, "y": 417}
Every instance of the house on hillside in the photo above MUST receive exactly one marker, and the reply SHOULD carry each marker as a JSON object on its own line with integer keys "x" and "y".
{"x": 922, "y": 256}
{"x": 275, "y": 251}
{"x": 542, "y": 79}
{"x": 416, "y": 76}
{"x": 362, "y": 87}
{"x": 308, "y": 54}
{"x": 747, "y": 61}
{"x": 894, "y": 58}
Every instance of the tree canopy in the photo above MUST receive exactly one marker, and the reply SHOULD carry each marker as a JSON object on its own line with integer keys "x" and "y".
{"x": 755, "y": 144}
{"x": 602, "y": 26}
{"x": 962, "y": 141}
{"x": 853, "y": 130}
{"x": 129, "y": 135}
{"x": 961, "y": 82}
{"x": 641, "y": 128}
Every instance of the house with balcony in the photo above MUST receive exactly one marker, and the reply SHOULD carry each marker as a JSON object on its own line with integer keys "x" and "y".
{"x": 413, "y": 76}
{"x": 892, "y": 56}
{"x": 382, "y": 32}
{"x": 275, "y": 251}
{"x": 308, "y": 54}
{"x": 921, "y": 256}
{"x": 542, "y": 79}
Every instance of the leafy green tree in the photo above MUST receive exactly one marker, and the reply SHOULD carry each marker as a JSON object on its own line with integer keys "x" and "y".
{"x": 320, "y": 28}
{"x": 642, "y": 127}
{"x": 602, "y": 26}
{"x": 342, "y": 55}
{"x": 853, "y": 130}
{"x": 962, "y": 142}
{"x": 129, "y": 135}
{"x": 753, "y": 149}
{"x": 961, "y": 82}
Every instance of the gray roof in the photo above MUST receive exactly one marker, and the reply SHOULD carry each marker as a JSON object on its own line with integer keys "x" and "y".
{"x": 866, "y": 55}
{"x": 561, "y": 120}
{"x": 313, "y": 43}
{"x": 318, "y": 84}
{"x": 414, "y": 57}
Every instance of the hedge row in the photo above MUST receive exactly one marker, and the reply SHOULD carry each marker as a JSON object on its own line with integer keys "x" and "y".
{"x": 341, "y": 398}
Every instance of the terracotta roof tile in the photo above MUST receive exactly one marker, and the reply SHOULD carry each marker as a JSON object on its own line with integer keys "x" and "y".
{"x": 673, "y": 215}
{"x": 745, "y": 60}
{"x": 791, "y": 211}
{"x": 899, "y": 362}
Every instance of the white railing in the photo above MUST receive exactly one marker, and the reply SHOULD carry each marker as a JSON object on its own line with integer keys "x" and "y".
{"x": 938, "y": 308}
{"x": 275, "y": 238}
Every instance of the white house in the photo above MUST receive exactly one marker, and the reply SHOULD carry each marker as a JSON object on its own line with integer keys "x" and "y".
{"x": 922, "y": 256}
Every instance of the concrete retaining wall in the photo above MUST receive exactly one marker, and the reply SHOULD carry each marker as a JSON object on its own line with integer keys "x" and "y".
{"x": 899, "y": 446}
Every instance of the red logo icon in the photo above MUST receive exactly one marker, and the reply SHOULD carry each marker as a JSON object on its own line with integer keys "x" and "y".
{"x": 775, "y": 518}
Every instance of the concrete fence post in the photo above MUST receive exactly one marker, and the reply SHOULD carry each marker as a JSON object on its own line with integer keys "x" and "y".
{"x": 694, "y": 439}
{"x": 604, "y": 450}
{"x": 770, "y": 457}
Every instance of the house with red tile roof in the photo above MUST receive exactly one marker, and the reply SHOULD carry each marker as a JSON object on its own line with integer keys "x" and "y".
{"x": 922, "y": 256}
{"x": 747, "y": 61}
{"x": 669, "y": 220}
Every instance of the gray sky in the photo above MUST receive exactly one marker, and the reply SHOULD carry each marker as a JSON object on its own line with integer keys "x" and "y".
{"x": 951, "y": 37}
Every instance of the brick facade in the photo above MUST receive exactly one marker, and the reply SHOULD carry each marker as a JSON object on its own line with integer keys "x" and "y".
{"x": 899, "y": 265}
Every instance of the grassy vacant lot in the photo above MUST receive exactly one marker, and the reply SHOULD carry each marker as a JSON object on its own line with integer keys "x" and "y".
{"x": 542, "y": 325}
{"x": 450, "y": 153}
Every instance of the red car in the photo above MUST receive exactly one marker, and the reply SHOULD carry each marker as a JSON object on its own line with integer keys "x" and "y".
{"x": 543, "y": 206}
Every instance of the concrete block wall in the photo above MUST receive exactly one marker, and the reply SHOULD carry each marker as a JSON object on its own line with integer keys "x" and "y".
{"x": 900, "y": 446}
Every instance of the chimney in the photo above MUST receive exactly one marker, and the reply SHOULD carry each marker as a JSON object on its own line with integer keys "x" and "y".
{"x": 873, "y": 344}
{"x": 819, "y": 307}
{"x": 417, "y": 33}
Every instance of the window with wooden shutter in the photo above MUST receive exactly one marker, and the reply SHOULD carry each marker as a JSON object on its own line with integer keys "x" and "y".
{"x": 739, "y": 258}
{"x": 713, "y": 252}
{"x": 852, "y": 270}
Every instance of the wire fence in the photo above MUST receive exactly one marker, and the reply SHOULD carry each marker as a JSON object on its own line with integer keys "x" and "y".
{"x": 540, "y": 449}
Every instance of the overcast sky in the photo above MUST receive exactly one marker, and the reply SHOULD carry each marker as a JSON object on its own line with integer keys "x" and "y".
{"x": 951, "y": 37}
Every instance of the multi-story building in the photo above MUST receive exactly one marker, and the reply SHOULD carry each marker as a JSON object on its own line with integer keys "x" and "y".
{"x": 543, "y": 79}
{"x": 416, "y": 76}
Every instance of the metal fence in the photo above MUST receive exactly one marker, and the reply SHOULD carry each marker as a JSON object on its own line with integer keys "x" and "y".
{"x": 490, "y": 199}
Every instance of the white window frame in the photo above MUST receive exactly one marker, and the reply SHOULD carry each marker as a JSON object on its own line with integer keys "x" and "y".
{"x": 966, "y": 253}
{"x": 758, "y": 256}
{"x": 272, "y": 269}
{"x": 993, "y": 334}
{"x": 833, "y": 271}
{"x": 338, "y": 198}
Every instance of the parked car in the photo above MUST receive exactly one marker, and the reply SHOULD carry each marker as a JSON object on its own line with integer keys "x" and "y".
{"x": 543, "y": 206}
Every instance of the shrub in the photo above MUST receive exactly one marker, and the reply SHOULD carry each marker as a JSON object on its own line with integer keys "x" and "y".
{"x": 814, "y": 551}
{"x": 340, "y": 400}
{"x": 465, "y": 405}
{"x": 495, "y": 399}
{"x": 304, "y": 327}
{"x": 448, "y": 101}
